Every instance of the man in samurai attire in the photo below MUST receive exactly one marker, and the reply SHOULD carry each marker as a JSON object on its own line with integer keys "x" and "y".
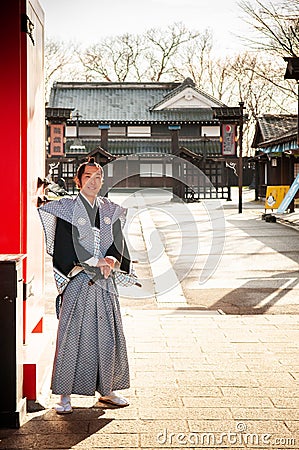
{"x": 84, "y": 237}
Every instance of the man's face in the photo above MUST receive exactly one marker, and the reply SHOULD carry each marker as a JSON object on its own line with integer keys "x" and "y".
{"x": 91, "y": 181}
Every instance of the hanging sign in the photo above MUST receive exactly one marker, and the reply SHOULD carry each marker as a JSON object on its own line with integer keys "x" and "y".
{"x": 228, "y": 139}
{"x": 56, "y": 139}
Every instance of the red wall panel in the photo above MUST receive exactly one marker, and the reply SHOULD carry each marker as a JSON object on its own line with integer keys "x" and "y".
{"x": 22, "y": 150}
{"x": 10, "y": 130}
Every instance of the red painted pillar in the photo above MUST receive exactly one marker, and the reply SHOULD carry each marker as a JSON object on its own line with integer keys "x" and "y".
{"x": 11, "y": 130}
{"x": 22, "y": 152}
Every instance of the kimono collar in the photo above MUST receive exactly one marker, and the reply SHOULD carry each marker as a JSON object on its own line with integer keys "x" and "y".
{"x": 95, "y": 203}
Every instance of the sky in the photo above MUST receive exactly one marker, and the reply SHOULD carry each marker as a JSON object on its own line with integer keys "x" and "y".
{"x": 87, "y": 21}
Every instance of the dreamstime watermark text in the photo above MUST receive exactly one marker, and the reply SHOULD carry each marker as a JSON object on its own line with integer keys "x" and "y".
{"x": 230, "y": 438}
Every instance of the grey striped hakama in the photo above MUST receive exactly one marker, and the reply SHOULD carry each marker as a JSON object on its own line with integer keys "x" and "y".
{"x": 91, "y": 350}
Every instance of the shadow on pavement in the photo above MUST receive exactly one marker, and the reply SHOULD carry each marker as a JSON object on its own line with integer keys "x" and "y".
{"x": 249, "y": 299}
{"x": 249, "y": 227}
{"x": 252, "y": 298}
{"x": 50, "y": 430}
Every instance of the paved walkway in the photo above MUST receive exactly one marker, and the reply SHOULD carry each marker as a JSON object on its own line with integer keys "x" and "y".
{"x": 200, "y": 379}
{"x": 235, "y": 378}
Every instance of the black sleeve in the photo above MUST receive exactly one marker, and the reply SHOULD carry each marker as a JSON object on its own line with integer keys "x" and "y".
{"x": 126, "y": 260}
{"x": 119, "y": 248}
{"x": 65, "y": 254}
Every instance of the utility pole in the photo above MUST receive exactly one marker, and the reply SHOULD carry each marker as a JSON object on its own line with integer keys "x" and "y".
{"x": 77, "y": 116}
{"x": 240, "y": 174}
{"x": 77, "y": 145}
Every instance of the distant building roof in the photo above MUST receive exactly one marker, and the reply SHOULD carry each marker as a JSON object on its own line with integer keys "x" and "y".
{"x": 153, "y": 102}
{"x": 274, "y": 128}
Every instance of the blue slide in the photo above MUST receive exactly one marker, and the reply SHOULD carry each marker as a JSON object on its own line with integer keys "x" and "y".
{"x": 289, "y": 196}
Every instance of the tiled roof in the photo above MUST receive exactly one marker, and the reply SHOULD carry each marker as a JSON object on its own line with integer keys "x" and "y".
{"x": 123, "y": 102}
{"x": 149, "y": 146}
{"x": 285, "y": 137}
{"x": 271, "y": 127}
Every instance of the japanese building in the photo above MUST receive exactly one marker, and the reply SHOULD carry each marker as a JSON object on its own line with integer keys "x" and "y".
{"x": 277, "y": 152}
{"x": 142, "y": 122}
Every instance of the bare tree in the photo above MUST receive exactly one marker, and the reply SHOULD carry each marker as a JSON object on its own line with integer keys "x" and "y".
{"x": 276, "y": 26}
{"x": 62, "y": 63}
{"x": 276, "y": 32}
{"x": 255, "y": 79}
{"x": 115, "y": 58}
{"x": 164, "y": 46}
{"x": 147, "y": 57}
{"x": 193, "y": 58}
{"x": 57, "y": 56}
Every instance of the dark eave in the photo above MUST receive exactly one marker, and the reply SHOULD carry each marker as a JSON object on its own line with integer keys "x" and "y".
{"x": 126, "y": 146}
{"x": 114, "y": 85}
{"x": 142, "y": 122}
{"x": 54, "y": 113}
{"x": 228, "y": 113}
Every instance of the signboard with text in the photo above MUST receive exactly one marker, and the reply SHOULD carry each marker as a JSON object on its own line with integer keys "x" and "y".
{"x": 56, "y": 139}
{"x": 228, "y": 139}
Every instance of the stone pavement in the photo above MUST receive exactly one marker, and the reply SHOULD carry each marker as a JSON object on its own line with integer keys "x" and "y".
{"x": 199, "y": 379}
{"x": 245, "y": 265}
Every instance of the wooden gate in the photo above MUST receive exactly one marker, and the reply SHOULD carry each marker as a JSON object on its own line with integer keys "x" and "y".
{"x": 207, "y": 181}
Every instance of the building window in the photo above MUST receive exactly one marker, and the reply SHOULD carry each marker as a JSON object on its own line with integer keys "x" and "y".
{"x": 151, "y": 170}
{"x": 296, "y": 169}
{"x": 89, "y": 131}
{"x": 168, "y": 170}
{"x": 117, "y": 131}
{"x": 110, "y": 170}
{"x": 139, "y": 131}
{"x": 210, "y": 131}
{"x": 68, "y": 170}
{"x": 70, "y": 131}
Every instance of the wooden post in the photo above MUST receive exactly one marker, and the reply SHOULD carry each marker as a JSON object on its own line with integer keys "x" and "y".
{"x": 174, "y": 130}
{"x": 104, "y": 135}
{"x": 177, "y": 188}
{"x": 257, "y": 179}
{"x": 240, "y": 178}
{"x": 298, "y": 115}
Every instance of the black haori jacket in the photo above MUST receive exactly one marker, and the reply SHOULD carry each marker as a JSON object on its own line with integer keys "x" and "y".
{"x": 77, "y": 233}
